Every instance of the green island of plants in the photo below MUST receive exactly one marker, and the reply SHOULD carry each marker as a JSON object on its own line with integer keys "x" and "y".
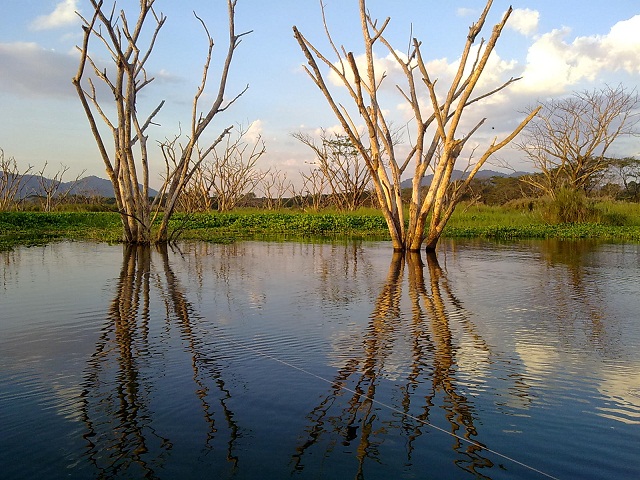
{"x": 604, "y": 220}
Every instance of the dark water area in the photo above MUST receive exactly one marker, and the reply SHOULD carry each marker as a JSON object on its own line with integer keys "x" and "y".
{"x": 339, "y": 360}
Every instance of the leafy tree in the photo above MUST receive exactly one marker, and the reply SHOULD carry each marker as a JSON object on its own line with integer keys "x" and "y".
{"x": 627, "y": 171}
{"x": 498, "y": 190}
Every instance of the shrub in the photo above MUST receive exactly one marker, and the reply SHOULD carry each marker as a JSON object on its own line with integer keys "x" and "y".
{"x": 615, "y": 219}
{"x": 525, "y": 204}
{"x": 570, "y": 206}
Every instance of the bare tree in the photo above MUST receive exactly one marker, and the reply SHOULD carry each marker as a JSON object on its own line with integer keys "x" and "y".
{"x": 274, "y": 186}
{"x": 128, "y": 164}
{"x": 196, "y": 196}
{"x": 313, "y": 193}
{"x": 341, "y": 164}
{"x": 569, "y": 141}
{"x": 444, "y": 116}
{"x": 12, "y": 181}
{"x": 231, "y": 172}
{"x": 50, "y": 190}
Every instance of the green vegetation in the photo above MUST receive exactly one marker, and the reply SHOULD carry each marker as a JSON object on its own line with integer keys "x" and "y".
{"x": 20, "y": 228}
{"x": 605, "y": 220}
{"x": 543, "y": 218}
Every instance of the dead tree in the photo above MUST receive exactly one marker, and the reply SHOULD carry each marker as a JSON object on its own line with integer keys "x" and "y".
{"x": 313, "y": 193}
{"x": 231, "y": 171}
{"x": 51, "y": 190}
{"x": 130, "y": 46}
{"x": 441, "y": 122}
{"x": 274, "y": 186}
{"x": 12, "y": 182}
{"x": 195, "y": 196}
{"x": 569, "y": 141}
{"x": 341, "y": 164}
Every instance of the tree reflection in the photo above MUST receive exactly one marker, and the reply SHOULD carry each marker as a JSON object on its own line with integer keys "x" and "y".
{"x": 429, "y": 348}
{"x": 9, "y": 258}
{"x": 122, "y": 390}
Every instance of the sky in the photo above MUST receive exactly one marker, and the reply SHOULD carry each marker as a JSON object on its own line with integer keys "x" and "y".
{"x": 557, "y": 46}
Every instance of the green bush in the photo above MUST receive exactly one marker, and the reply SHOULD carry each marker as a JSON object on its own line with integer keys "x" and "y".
{"x": 614, "y": 218}
{"x": 570, "y": 206}
{"x": 525, "y": 204}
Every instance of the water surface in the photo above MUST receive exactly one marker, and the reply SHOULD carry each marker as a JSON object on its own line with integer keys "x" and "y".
{"x": 277, "y": 360}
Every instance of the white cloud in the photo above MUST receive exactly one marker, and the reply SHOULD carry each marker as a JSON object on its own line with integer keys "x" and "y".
{"x": 254, "y": 132}
{"x": 524, "y": 21}
{"x": 165, "y": 76}
{"x": 623, "y": 45}
{"x": 555, "y": 65}
{"x": 386, "y": 66}
{"x": 335, "y": 129}
{"x": 63, "y": 15}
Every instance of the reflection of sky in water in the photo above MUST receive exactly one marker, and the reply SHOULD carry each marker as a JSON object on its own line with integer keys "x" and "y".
{"x": 534, "y": 341}
{"x": 566, "y": 314}
{"x": 53, "y": 305}
{"x": 622, "y": 387}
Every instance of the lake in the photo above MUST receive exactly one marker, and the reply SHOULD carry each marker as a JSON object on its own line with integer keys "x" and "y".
{"x": 333, "y": 360}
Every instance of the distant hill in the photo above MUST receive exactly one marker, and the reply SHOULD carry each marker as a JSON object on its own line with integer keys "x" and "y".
{"x": 88, "y": 186}
{"x": 460, "y": 175}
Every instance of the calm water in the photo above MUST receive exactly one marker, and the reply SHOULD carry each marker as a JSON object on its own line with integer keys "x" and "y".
{"x": 288, "y": 360}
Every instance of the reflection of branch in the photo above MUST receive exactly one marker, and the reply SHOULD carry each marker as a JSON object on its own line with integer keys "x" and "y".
{"x": 120, "y": 410}
{"x": 459, "y": 411}
{"x": 119, "y": 386}
{"x": 377, "y": 343}
{"x": 433, "y": 363}
{"x": 182, "y": 309}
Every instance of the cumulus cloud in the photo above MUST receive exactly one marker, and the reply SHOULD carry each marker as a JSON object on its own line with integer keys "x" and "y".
{"x": 33, "y": 71}
{"x": 63, "y": 15}
{"x": 524, "y": 21}
{"x": 555, "y": 64}
{"x": 254, "y": 132}
{"x": 623, "y": 45}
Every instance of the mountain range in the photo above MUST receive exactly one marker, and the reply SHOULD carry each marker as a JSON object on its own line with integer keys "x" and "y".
{"x": 32, "y": 185}
{"x": 460, "y": 175}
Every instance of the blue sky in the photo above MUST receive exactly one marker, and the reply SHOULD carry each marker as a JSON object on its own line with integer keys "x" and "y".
{"x": 559, "y": 46}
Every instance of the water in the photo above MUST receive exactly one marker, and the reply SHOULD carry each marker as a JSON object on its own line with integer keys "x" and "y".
{"x": 277, "y": 360}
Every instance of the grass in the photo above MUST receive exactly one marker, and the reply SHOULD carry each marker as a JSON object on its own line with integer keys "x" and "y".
{"x": 616, "y": 221}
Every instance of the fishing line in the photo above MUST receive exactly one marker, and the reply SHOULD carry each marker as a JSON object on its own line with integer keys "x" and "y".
{"x": 390, "y": 407}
